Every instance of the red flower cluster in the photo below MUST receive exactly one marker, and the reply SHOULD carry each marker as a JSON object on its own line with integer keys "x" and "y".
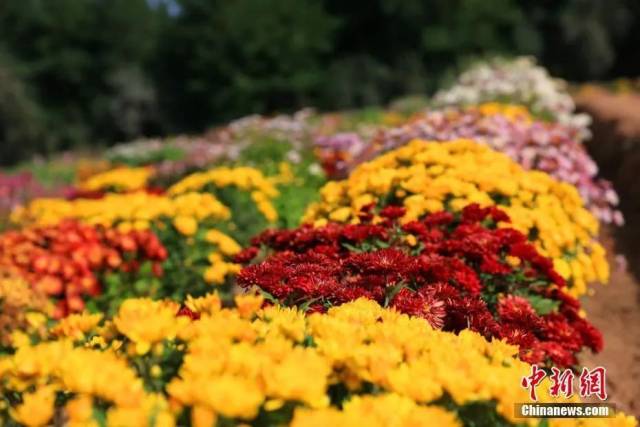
{"x": 457, "y": 272}
{"x": 64, "y": 261}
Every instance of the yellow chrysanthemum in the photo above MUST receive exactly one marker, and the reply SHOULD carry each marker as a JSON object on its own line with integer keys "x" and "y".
{"x": 146, "y": 322}
{"x": 76, "y": 326}
{"x": 262, "y": 189}
{"x": 36, "y": 408}
{"x": 436, "y": 176}
{"x": 186, "y": 225}
{"x": 122, "y": 178}
{"x": 131, "y": 210}
{"x": 226, "y": 244}
{"x": 386, "y": 410}
{"x": 508, "y": 110}
{"x": 209, "y": 303}
{"x": 239, "y": 363}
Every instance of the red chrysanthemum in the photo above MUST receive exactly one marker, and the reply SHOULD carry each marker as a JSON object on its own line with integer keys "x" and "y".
{"x": 451, "y": 270}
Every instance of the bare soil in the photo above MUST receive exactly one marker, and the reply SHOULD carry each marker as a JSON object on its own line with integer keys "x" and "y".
{"x": 615, "y": 308}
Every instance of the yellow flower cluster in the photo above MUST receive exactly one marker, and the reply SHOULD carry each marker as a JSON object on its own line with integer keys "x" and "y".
{"x": 145, "y": 322}
{"x": 121, "y": 178}
{"x": 23, "y": 311}
{"x": 385, "y": 410}
{"x": 429, "y": 177}
{"x": 58, "y": 366}
{"x": 86, "y": 168}
{"x": 511, "y": 111}
{"x": 185, "y": 202}
{"x": 243, "y": 361}
{"x": 263, "y": 190}
{"x": 285, "y": 174}
{"x": 76, "y": 326}
{"x": 220, "y": 268}
{"x": 132, "y": 210}
{"x": 392, "y": 119}
{"x": 138, "y": 210}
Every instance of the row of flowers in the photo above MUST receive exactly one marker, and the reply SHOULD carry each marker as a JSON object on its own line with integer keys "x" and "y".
{"x": 465, "y": 274}
{"x": 194, "y": 229}
{"x": 425, "y": 178}
{"x": 519, "y": 81}
{"x": 121, "y": 240}
{"x": 204, "y": 365}
{"x": 550, "y": 147}
{"x": 456, "y": 271}
{"x": 550, "y": 140}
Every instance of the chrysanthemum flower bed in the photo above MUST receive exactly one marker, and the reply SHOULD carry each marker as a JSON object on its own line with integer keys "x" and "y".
{"x": 23, "y": 310}
{"x": 550, "y": 147}
{"x": 194, "y": 228}
{"x": 118, "y": 179}
{"x": 213, "y": 366}
{"x": 457, "y": 272}
{"x": 16, "y": 189}
{"x": 425, "y": 177}
{"x": 187, "y": 225}
{"x": 70, "y": 261}
{"x": 518, "y": 81}
{"x": 420, "y": 290}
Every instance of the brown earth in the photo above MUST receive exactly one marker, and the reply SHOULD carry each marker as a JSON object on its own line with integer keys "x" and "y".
{"x": 615, "y": 308}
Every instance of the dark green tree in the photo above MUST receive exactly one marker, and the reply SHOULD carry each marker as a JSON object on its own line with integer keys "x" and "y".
{"x": 585, "y": 39}
{"x": 101, "y": 71}
{"x": 72, "y": 52}
{"x": 21, "y": 121}
{"x": 223, "y": 59}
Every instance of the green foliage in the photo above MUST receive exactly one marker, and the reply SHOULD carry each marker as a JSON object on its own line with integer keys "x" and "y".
{"x": 481, "y": 413}
{"x": 183, "y": 271}
{"x": 20, "y": 116}
{"x": 119, "y": 286}
{"x": 166, "y": 152}
{"x": 295, "y": 197}
{"x": 84, "y": 61}
{"x": 246, "y": 220}
{"x": 243, "y": 56}
{"x": 96, "y": 72}
{"x": 542, "y": 305}
{"x": 267, "y": 154}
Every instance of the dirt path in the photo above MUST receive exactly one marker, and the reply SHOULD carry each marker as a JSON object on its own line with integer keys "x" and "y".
{"x": 615, "y": 310}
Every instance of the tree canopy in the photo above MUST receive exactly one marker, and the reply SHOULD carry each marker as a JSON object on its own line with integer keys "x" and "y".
{"x": 85, "y": 72}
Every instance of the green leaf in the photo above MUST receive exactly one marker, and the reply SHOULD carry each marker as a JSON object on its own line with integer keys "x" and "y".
{"x": 381, "y": 244}
{"x": 352, "y": 248}
{"x": 307, "y": 304}
{"x": 542, "y": 305}
{"x": 100, "y": 416}
{"x": 145, "y": 269}
{"x": 392, "y": 291}
{"x": 269, "y": 297}
{"x": 141, "y": 287}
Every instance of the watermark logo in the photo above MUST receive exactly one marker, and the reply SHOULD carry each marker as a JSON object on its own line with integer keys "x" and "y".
{"x": 564, "y": 410}
{"x": 592, "y": 383}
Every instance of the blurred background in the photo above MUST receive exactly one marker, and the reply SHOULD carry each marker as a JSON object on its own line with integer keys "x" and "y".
{"x": 90, "y": 73}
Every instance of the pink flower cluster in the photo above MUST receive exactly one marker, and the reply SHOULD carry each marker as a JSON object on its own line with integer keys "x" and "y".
{"x": 553, "y": 148}
{"x": 17, "y": 189}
